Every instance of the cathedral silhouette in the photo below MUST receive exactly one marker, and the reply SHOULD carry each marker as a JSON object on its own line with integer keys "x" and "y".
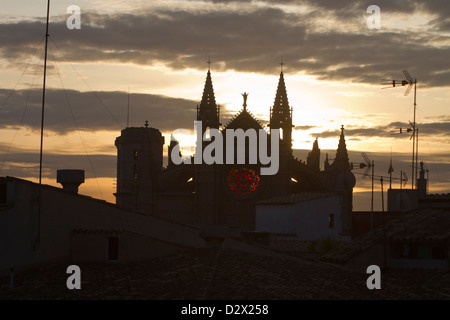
{"x": 225, "y": 194}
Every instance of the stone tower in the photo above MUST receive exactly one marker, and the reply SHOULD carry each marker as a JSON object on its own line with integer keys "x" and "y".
{"x": 344, "y": 183}
{"x": 281, "y": 118}
{"x": 205, "y": 175}
{"x": 139, "y": 161}
{"x": 281, "y": 115}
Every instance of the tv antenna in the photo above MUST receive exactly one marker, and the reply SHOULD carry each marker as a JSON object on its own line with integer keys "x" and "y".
{"x": 410, "y": 83}
{"x": 38, "y": 236}
{"x": 403, "y": 179}
{"x": 369, "y": 165}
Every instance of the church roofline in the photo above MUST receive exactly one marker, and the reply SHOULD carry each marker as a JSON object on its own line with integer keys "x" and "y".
{"x": 242, "y": 113}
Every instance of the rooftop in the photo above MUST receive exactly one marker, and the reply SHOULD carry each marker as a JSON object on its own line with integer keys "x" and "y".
{"x": 423, "y": 225}
{"x": 227, "y": 274}
{"x": 297, "y": 197}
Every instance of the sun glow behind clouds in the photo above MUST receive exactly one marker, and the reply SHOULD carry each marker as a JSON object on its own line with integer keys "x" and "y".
{"x": 318, "y": 106}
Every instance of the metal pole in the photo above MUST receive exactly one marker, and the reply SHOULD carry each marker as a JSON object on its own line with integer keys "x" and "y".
{"x": 401, "y": 188}
{"x": 42, "y": 127}
{"x": 390, "y": 172}
{"x": 384, "y": 229}
{"x": 417, "y": 150}
{"x": 414, "y": 137}
{"x": 371, "y": 205}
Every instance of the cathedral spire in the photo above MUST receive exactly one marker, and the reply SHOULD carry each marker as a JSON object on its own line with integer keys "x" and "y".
{"x": 342, "y": 154}
{"x": 281, "y": 104}
{"x": 208, "y": 99}
{"x": 208, "y": 111}
{"x": 326, "y": 165}
{"x": 313, "y": 159}
{"x": 281, "y": 113}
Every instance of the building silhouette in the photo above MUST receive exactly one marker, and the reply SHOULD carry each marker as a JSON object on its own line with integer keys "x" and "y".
{"x": 208, "y": 194}
{"x": 162, "y": 211}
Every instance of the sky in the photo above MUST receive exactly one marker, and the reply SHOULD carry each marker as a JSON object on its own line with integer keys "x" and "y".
{"x": 156, "y": 53}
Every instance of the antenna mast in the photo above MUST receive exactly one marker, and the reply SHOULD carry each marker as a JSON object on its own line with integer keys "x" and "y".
{"x": 42, "y": 127}
{"x": 412, "y": 82}
{"x": 415, "y": 154}
{"x": 128, "y": 111}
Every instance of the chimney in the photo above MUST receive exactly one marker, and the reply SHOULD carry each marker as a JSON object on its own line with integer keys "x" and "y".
{"x": 70, "y": 179}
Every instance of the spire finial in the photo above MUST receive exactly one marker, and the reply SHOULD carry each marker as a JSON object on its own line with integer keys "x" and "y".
{"x": 281, "y": 64}
{"x": 245, "y": 95}
{"x": 146, "y": 123}
{"x": 342, "y": 154}
{"x": 209, "y": 64}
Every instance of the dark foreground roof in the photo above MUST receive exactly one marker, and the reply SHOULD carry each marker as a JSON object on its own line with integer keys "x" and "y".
{"x": 227, "y": 274}
{"x": 297, "y": 197}
{"x": 419, "y": 226}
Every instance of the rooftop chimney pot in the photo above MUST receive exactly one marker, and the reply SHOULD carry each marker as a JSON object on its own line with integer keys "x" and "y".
{"x": 70, "y": 179}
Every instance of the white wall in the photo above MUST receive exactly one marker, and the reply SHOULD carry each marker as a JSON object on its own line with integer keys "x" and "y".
{"x": 307, "y": 219}
{"x": 311, "y": 218}
{"x": 275, "y": 219}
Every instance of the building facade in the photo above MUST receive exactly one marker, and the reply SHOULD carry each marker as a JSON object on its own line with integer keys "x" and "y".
{"x": 225, "y": 194}
{"x": 307, "y": 216}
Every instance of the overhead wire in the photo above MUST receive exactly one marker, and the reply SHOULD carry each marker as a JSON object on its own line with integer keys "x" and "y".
{"x": 21, "y": 76}
{"x": 87, "y": 84}
{"x": 76, "y": 123}
{"x": 26, "y": 104}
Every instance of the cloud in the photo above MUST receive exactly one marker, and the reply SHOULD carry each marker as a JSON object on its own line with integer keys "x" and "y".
{"x": 94, "y": 111}
{"x": 442, "y": 117}
{"x": 307, "y": 127}
{"x": 24, "y": 163}
{"x": 253, "y": 40}
{"x": 391, "y": 130}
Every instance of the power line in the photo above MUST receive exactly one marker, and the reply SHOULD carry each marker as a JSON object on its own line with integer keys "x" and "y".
{"x": 23, "y": 114}
{"x": 87, "y": 84}
{"x": 21, "y": 76}
{"x": 76, "y": 124}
